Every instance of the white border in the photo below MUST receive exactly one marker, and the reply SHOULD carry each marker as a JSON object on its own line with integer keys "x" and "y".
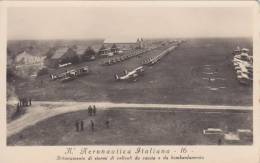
{"x": 47, "y": 154}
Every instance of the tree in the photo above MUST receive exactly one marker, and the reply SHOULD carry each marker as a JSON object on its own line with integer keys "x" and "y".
{"x": 70, "y": 57}
{"x": 50, "y": 52}
{"x": 88, "y": 54}
{"x": 75, "y": 58}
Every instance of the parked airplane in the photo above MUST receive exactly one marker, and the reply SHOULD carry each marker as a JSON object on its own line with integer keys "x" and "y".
{"x": 132, "y": 75}
{"x": 70, "y": 74}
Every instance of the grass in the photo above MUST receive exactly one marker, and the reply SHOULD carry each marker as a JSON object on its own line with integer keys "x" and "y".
{"x": 177, "y": 78}
{"x": 133, "y": 127}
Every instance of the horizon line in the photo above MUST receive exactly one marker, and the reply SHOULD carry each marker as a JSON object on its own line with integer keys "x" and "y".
{"x": 98, "y": 38}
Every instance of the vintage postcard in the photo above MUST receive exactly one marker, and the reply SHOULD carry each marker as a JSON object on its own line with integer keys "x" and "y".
{"x": 129, "y": 81}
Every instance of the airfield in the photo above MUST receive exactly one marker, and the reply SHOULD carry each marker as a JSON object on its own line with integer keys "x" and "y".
{"x": 181, "y": 77}
{"x": 130, "y": 124}
{"x": 186, "y": 101}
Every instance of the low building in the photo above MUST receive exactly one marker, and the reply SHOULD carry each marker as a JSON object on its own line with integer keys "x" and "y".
{"x": 124, "y": 43}
{"x": 25, "y": 58}
{"x": 104, "y": 51}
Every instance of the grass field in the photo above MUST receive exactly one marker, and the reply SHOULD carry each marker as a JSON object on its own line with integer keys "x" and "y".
{"x": 133, "y": 127}
{"x": 179, "y": 78}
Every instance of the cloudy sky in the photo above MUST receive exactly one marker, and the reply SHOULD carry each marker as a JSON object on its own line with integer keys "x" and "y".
{"x": 147, "y": 22}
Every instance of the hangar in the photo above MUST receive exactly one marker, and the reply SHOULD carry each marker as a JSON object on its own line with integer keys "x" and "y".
{"x": 125, "y": 43}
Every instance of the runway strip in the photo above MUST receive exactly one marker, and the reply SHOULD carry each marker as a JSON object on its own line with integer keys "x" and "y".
{"x": 41, "y": 110}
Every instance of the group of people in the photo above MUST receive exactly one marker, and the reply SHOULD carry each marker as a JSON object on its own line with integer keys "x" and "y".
{"x": 80, "y": 125}
{"x": 92, "y": 110}
{"x": 23, "y": 102}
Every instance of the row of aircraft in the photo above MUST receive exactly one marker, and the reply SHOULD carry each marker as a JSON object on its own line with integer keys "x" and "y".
{"x": 131, "y": 54}
{"x": 153, "y": 60}
{"x": 124, "y": 57}
{"x": 243, "y": 65}
{"x": 139, "y": 71}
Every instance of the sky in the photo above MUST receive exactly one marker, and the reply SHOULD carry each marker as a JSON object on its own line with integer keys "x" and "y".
{"x": 116, "y": 22}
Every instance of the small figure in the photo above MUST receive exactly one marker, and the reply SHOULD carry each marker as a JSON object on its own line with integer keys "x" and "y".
{"x": 82, "y": 125}
{"x": 77, "y": 126}
{"x": 26, "y": 102}
{"x": 92, "y": 125}
{"x": 30, "y": 102}
{"x": 94, "y": 110}
{"x": 107, "y": 123}
{"x": 90, "y": 110}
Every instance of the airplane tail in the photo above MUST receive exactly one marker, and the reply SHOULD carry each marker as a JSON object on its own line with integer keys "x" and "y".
{"x": 116, "y": 77}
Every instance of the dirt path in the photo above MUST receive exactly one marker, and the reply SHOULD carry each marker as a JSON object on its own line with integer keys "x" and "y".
{"x": 41, "y": 110}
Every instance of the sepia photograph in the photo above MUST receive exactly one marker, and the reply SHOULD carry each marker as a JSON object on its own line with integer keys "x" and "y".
{"x": 144, "y": 75}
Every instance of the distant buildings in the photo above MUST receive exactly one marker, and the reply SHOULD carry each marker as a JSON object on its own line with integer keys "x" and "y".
{"x": 243, "y": 65}
{"x": 106, "y": 52}
{"x": 125, "y": 43}
{"x": 25, "y": 59}
{"x": 65, "y": 56}
{"x": 113, "y": 46}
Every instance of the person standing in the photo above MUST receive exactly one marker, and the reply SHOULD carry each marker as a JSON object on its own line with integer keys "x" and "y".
{"x": 94, "y": 110}
{"x": 90, "y": 110}
{"x": 82, "y": 125}
{"x": 107, "y": 123}
{"x": 77, "y": 126}
{"x": 92, "y": 125}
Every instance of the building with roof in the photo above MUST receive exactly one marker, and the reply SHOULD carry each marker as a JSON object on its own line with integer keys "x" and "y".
{"x": 104, "y": 51}
{"x": 125, "y": 43}
{"x": 25, "y": 58}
